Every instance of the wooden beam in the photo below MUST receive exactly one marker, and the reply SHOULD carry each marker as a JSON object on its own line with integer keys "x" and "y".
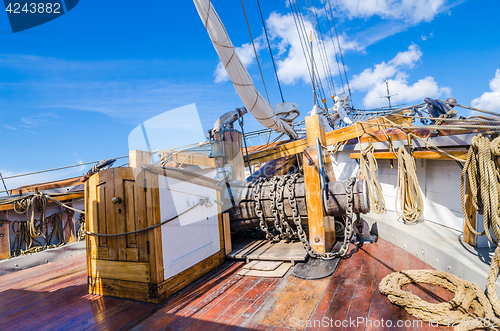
{"x": 321, "y": 234}
{"x": 227, "y": 233}
{"x": 72, "y": 196}
{"x": 47, "y": 186}
{"x": 138, "y": 158}
{"x": 428, "y": 155}
{"x": 186, "y": 158}
{"x": 263, "y": 153}
{"x": 4, "y": 240}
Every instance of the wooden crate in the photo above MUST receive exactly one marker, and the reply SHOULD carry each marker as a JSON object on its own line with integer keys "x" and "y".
{"x": 131, "y": 266}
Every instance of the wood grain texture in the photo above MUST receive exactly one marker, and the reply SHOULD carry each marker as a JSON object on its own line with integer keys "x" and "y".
{"x": 228, "y": 248}
{"x": 297, "y": 298}
{"x": 4, "y": 240}
{"x": 121, "y": 270}
{"x": 62, "y": 198}
{"x": 220, "y": 300}
{"x": 428, "y": 155}
{"x": 264, "y": 153}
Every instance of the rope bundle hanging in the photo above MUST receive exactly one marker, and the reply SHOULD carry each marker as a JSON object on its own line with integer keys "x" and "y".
{"x": 367, "y": 171}
{"x": 482, "y": 172}
{"x": 469, "y": 309}
{"x": 408, "y": 191}
{"x": 49, "y": 227}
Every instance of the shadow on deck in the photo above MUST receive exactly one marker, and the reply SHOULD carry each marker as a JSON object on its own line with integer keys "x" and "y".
{"x": 54, "y": 296}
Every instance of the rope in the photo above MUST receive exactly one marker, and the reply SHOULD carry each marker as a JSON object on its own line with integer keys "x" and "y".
{"x": 270, "y": 51}
{"x": 367, "y": 169}
{"x": 408, "y": 191}
{"x": 255, "y": 51}
{"x": 482, "y": 172}
{"x": 469, "y": 309}
{"x": 340, "y": 51}
{"x": 202, "y": 201}
{"x": 71, "y": 166}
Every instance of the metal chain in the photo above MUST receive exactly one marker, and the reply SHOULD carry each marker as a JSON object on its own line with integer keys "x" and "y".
{"x": 289, "y": 233}
{"x": 274, "y": 210}
{"x": 258, "y": 208}
{"x": 348, "y": 231}
{"x": 276, "y": 194}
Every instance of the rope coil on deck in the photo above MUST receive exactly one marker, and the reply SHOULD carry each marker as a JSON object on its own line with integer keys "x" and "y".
{"x": 470, "y": 308}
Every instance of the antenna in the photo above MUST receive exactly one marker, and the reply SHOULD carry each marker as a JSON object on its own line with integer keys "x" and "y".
{"x": 388, "y": 96}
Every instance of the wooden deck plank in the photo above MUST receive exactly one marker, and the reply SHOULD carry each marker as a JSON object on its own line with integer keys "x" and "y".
{"x": 339, "y": 305}
{"x": 197, "y": 296}
{"x": 401, "y": 262}
{"x": 213, "y": 312}
{"x": 330, "y": 292}
{"x": 245, "y": 318}
{"x": 221, "y": 300}
{"x": 363, "y": 292}
{"x": 296, "y": 298}
{"x": 380, "y": 306}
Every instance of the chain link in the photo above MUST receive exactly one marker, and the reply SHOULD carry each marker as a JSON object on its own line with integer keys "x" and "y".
{"x": 258, "y": 208}
{"x": 348, "y": 230}
{"x": 278, "y": 184}
{"x": 289, "y": 233}
{"x": 277, "y": 221}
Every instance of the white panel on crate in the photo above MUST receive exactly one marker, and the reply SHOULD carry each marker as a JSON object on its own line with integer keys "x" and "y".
{"x": 192, "y": 237}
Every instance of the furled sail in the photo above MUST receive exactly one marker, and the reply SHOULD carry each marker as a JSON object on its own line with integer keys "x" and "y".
{"x": 238, "y": 74}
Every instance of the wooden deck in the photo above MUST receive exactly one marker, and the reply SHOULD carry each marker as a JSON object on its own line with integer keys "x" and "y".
{"x": 54, "y": 297}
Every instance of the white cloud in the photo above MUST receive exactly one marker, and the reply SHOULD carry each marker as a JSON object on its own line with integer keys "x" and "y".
{"x": 412, "y": 11}
{"x": 372, "y": 81}
{"x": 40, "y": 119}
{"x": 490, "y": 100}
{"x": 291, "y": 62}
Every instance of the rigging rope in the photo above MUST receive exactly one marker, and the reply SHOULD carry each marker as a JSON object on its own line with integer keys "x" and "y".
{"x": 255, "y": 51}
{"x": 270, "y": 51}
{"x": 303, "y": 34}
{"x": 322, "y": 49}
{"x": 408, "y": 191}
{"x": 340, "y": 50}
{"x": 367, "y": 171}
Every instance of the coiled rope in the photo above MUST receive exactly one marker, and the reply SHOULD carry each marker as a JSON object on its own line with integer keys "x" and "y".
{"x": 411, "y": 201}
{"x": 482, "y": 172}
{"x": 470, "y": 308}
{"x": 27, "y": 232}
{"x": 367, "y": 171}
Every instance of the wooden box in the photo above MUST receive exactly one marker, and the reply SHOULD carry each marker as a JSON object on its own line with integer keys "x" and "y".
{"x": 141, "y": 266}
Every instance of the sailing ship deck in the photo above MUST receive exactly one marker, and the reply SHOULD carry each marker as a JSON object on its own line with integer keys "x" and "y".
{"x": 54, "y": 296}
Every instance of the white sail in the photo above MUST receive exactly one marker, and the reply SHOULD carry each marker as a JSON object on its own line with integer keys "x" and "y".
{"x": 238, "y": 74}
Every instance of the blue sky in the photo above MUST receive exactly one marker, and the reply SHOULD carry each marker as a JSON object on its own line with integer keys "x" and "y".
{"x": 73, "y": 89}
